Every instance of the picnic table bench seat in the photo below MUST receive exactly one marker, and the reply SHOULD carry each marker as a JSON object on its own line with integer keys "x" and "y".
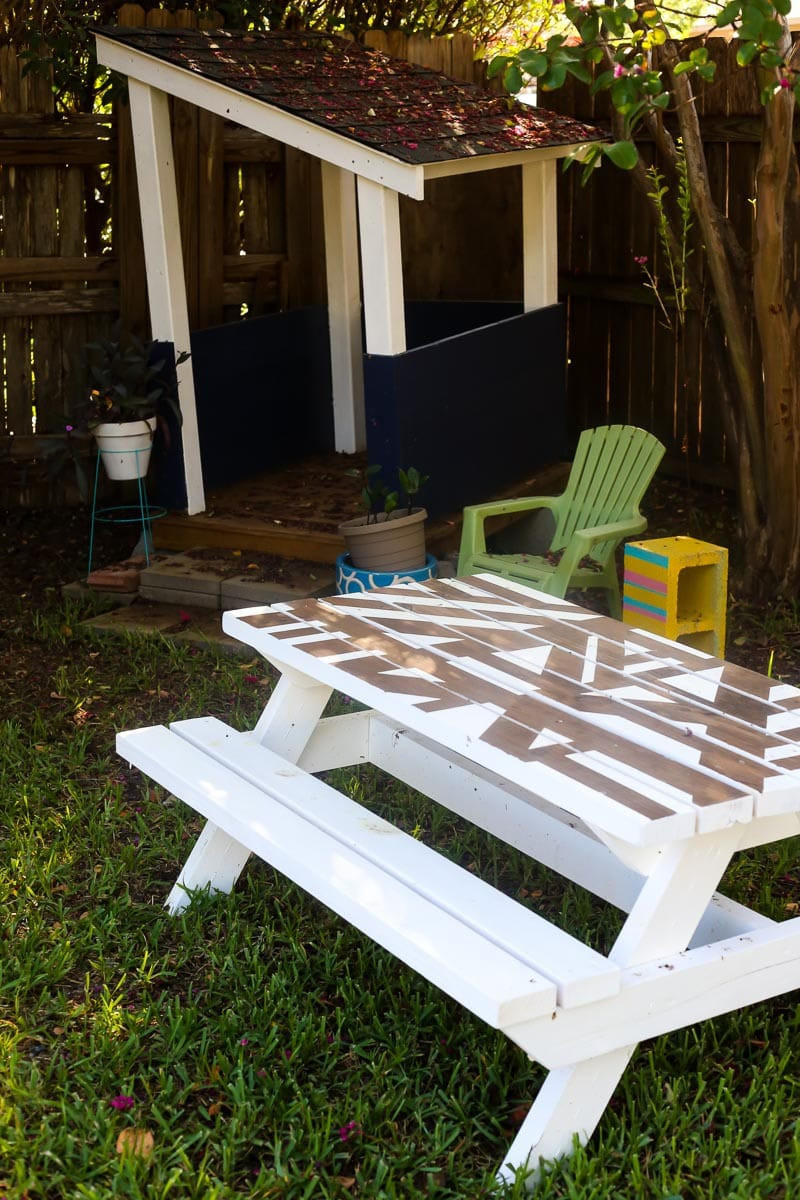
{"x": 500, "y": 959}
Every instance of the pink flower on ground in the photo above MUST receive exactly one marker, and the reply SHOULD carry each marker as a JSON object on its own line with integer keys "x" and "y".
{"x": 786, "y": 83}
{"x": 122, "y": 1103}
{"x": 351, "y": 1129}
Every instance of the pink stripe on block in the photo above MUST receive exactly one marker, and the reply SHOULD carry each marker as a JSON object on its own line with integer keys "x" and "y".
{"x": 652, "y": 585}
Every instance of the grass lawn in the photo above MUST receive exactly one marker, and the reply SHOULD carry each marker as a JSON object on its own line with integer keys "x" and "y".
{"x": 256, "y": 1046}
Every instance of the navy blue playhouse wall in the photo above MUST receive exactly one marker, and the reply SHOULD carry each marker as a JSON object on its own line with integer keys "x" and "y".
{"x": 476, "y": 411}
{"x": 263, "y": 394}
{"x": 476, "y": 402}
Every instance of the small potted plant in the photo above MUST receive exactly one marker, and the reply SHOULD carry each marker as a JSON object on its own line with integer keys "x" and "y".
{"x": 387, "y": 544}
{"x": 129, "y": 387}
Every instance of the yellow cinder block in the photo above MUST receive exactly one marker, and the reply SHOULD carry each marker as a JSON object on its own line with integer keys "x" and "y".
{"x": 678, "y": 587}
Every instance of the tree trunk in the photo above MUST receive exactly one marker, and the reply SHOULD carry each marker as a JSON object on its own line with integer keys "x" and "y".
{"x": 775, "y": 286}
{"x": 747, "y": 393}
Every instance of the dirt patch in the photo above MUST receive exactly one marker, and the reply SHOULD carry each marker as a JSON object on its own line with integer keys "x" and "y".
{"x": 255, "y": 566}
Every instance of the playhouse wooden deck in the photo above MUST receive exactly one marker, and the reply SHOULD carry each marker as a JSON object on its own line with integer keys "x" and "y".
{"x": 295, "y": 511}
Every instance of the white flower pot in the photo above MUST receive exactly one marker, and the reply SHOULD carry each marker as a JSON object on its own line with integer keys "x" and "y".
{"x": 125, "y": 447}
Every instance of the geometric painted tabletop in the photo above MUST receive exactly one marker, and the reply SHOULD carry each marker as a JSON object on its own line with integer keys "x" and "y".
{"x": 638, "y": 737}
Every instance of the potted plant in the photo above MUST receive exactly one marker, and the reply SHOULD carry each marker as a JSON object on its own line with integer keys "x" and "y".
{"x": 387, "y": 544}
{"x": 130, "y": 385}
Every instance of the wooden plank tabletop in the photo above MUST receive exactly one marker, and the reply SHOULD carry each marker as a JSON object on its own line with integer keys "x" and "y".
{"x": 643, "y": 738}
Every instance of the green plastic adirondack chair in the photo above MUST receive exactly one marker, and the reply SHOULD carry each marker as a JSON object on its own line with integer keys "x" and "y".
{"x": 613, "y": 467}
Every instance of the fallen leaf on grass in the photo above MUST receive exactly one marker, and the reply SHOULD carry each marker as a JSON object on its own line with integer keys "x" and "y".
{"x": 345, "y": 1181}
{"x": 135, "y": 1141}
{"x": 519, "y": 1114}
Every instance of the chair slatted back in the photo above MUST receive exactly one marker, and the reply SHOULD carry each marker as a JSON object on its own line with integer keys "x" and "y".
{"x": 613, "y": 467}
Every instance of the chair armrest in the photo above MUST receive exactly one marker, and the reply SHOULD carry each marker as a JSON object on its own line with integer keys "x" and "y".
{"x": 473, "y": 531}
{"x": 583, "y": 540}
{"x": 615, "y": 530}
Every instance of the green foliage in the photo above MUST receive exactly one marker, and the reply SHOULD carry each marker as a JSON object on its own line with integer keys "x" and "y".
{"x": 674, "y": 300}
{"x": 613, "y": 50}
{"x": 375, "y": 495}
{"x": 130, "y": 382}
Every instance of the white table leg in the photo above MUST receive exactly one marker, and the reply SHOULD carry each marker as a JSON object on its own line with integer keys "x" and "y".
{"x": 287, "y": 722}
{"x": 291, "y": 714}
{"x": 663, "y": 919}
{"x": 569, "y": 1104}
{"x": 216, "y": 861}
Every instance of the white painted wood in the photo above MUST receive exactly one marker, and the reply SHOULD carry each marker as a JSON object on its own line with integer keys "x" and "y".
{"x": 585, "y": 1029}
{"x": 725, "y": 918}
{"x": 337, "y": 742}
{"x": 344, "y": 307}
{"x": 166, "y": 283}
{"x": 674, "y": 897}
{"x": 569, "y": 1103}
{"x": 290, "y": 715}
{"x": 493, "y": 162}
{"x": 580, "y": 974}
{"x": 539, "y": 235}
{"x": 770, "y": 829}
{"x": 216, "y": 862}
{"x": 669, "y": 993}
{"x": 547, "y": 834}
{"x": 381, "y": 268}
{"x": 263, "y": 118}
{"x": 486, "y": 979}
{"x": 663, "y": 919}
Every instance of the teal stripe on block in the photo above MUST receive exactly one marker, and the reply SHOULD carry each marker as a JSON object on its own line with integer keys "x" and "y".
{"x": 650, "y": 610}
{"x": 659, "y": 560}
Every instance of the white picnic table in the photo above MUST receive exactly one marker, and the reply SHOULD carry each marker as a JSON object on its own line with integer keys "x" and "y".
{"x": 632, "y": 765}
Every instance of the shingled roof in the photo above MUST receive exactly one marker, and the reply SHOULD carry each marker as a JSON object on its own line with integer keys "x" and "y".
{"x": 413, "y": 114}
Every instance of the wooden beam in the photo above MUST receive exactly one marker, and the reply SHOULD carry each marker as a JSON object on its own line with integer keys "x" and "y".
{"x": 344, "y": 308}
{"x": 539, "y": 235}
{"x": 381, "y": 268}
{"x": 166, "y": 286}
{"x": 247, "y": 266}
{"x": 51, "y": 303}
{"x": 69, "y": 269}
{"x": 494, "y": 162}
{"x": 244, "y": 146}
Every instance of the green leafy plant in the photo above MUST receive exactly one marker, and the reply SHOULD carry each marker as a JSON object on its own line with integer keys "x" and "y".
{"x": 676, "y": 251}
{"x": 129, "y": 382}
{"x": 411, "y": 481}
{"x": 375, "y": 495}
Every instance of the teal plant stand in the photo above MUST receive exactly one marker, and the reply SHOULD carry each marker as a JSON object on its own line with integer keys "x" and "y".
{"x": 143, "y": 513}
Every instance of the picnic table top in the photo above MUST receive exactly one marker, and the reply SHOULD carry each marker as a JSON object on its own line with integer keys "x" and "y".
{"x": 638, "y": 737}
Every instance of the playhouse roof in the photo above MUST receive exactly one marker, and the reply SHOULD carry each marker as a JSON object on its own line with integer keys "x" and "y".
{"x": 408, "y": 112}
